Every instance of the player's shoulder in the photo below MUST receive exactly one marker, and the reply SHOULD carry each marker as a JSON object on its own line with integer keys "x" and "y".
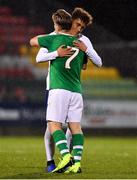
{"x": 83, "y": 37}
{"x": 52, "y": 35}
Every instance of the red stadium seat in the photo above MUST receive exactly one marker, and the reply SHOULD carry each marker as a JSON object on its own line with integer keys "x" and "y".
{"x": 19, "y": 39}
{"x": 14, "y": 39}
{"x": 19, "y": 30}
{"x": 4, "y": 20}
{"x": 35, "y": 30}
{"x": 16, "y": 73}
{"x": 15, "y": 31}
{"x": 13, "y": 20}
{"x": 2, "y": 48}
{"x": 5, "y": 10}
{"x": 3, "y": 31}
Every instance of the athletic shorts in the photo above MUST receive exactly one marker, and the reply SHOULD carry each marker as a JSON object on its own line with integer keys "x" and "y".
{"x": 64, "y": 106}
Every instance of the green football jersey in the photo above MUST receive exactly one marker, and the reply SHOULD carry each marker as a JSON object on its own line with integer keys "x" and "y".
{"x": 64, "y": 72}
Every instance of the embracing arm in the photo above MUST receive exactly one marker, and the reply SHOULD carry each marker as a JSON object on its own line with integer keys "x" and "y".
{"x": 85, "y": 45}
{"x": 44, "y": 56}
{"x": 93, "y": 56}
{"x": 34, "y": 40}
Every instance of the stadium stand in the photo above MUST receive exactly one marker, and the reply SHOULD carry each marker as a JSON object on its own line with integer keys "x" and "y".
{"x": 5, "y": 10}
{"x": 20, "y": 61}
{"x": 15, "y": 31}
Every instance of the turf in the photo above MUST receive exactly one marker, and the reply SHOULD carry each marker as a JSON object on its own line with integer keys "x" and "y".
{"x": 103, "y": 158}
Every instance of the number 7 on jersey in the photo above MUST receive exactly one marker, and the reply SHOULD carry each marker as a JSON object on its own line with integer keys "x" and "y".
{"x": 67, "y": 64}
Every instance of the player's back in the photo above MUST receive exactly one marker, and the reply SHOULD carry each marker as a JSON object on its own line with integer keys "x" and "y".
{"x": 64, "y": 71}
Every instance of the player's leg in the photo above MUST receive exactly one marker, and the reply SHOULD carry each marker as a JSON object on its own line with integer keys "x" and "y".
{"x": 61, "y": 143}
{"x": 50, "y": 149}
{"x": 49, "y": 143}
{"x": 74, "y": 118}
{"x": 56, "y": 115}
{"x": 69, "y": 139}
{"x": 78, "y": 142}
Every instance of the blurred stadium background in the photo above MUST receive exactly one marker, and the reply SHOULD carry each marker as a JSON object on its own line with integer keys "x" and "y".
{"x": 110, "y": 92}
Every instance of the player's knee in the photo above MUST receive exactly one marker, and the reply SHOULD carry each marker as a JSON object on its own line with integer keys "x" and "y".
{"x": 75, "y": 128}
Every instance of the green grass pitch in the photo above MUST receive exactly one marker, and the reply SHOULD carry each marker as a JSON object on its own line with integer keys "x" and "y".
{"x": 103, "y": 158}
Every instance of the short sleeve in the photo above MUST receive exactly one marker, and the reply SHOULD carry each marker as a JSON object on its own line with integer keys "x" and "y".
{"x": 46, "y": 41}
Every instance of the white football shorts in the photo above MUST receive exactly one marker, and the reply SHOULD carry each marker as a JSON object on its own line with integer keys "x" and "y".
{"x": 64, "y": 106}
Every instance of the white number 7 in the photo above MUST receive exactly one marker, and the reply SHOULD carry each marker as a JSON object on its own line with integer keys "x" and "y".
{"x": 67, "y": 64}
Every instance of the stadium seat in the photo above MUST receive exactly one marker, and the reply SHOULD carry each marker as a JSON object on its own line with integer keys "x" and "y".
{"x": 3, "y": 31}
{"x": 15, "y": 31}
{"x": 13, "y": 20}
{"x": 4, "y": 20}
{"x": 16, "y": 73}
{"x": 5, "y": 10}
{"x": 19, "y": 30}
{"x": 93, "y": 72}
{"x": 35, "y": 30}
{"x": 2, "y": 49}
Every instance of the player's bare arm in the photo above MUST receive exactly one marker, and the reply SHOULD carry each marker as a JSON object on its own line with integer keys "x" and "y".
{"x": 34, "y": 41}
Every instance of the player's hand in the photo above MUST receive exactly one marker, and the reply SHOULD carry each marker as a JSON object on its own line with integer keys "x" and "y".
{"x": 80, "y": 45}
{"x": 63, "y": 52}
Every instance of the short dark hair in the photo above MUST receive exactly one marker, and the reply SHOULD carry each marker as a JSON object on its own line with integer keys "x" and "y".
{"x": 80, "y": 13}
{"x": 63, "y": 19}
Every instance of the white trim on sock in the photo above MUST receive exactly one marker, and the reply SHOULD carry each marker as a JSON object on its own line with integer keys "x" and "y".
{"x": 64, "y": 151}
{"x": 78, "y": 147}
{"x": 61, "y": 142}
{"x": 77, "y": 157}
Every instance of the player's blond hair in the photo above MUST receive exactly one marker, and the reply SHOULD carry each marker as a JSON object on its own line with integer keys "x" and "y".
{"x": 62, "y": 18}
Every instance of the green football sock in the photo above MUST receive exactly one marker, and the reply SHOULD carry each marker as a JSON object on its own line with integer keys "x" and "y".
{"x": 78, "y": 141}
{"x": 61, "y": 142}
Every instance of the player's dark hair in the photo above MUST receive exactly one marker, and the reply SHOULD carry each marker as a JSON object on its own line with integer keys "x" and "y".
{"x": 80, "y": 13}
{"x": 63, "y": 19}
